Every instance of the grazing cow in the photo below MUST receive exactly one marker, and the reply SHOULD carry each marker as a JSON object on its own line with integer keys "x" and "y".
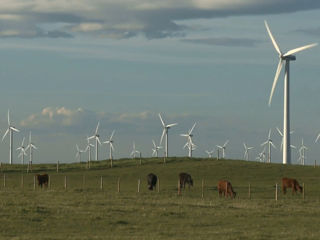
{"x": 43, "y": 179}
{"x": 290, "y": 183}
{"x": 185, "y": 178}
{"x": 152, "y": 180}
{"x": 225, "y": 187}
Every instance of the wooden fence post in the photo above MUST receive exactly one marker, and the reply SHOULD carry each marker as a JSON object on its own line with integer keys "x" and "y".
{"x": 49, "y": 182}
{"x": 202, "y": 188}
{"x": 4, "y": 180}
{"x": 65, "y": 182}
{"x": 303, "y": 191}
{"x": 57, "y": 166}
{"x": 276, "y": 194}
{"x": 34, "y": 182}
{"x": 21, "y": 180}
{"x": 83, "y": 181}
{"x": 158, "y": 188}
{"x": 138, "y": 185}
{"x": 249, "y": 193}
{"x": 118, "y": 185}
{"x": 101, "y": 183}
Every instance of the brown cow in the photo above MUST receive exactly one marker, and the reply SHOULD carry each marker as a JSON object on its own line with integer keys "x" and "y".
{"x": 225, "y": 187}
{"x": 185, "y": 178}
{"x": 290, "y": 183}
{"x": 43, "y": 179}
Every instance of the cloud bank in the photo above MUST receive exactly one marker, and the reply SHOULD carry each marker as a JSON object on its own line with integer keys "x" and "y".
{"x": 126, "y": 18}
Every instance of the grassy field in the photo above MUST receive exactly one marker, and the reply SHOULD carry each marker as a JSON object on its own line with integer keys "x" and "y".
{"x": 85, "y": 211}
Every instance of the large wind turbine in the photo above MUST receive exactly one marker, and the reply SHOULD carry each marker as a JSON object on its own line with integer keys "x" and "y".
{"x": 10, "y": 130}
{"x": 285, "y": 58}
{"x": 96, "y": 137}
{"x": 270, "y": 143}
{"x": 223, "y": 148}
{"x": 189, "y": 143}
{"x": 30, "y": 146}
{"x": 166, "y": 127}
{"x": 22, "y": 151}
{"x": 246, "y": 152}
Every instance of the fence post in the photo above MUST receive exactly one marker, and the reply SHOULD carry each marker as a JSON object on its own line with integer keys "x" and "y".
{"x": 49, "y": 182}
{"x": 21, "y": 180}
{"x": 118, "y": 185}
{"x": 83, "y": 181}
{"x": 34, "y": 182}
{"x": 179, "y": 189}
{"x": 57, "y": 166}
{"x": 226, "y": 192}
{"x": 249, "y": 191}
{"x": 65, "y": 182}
{"x": 4, "y": 180}
{"x": 276, "y": 195}
{"x": 303, "y": 191}
{"x": 138, "y": 185}
{"x": 202, "y": 186}
{"x": 101, "y": 183}
{"x": 158, "y": 188}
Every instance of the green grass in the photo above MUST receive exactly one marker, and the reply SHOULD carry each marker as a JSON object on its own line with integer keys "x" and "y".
{"x": 84, "y": 211}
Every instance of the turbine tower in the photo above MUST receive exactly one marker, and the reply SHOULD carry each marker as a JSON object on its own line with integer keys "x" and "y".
{"x": 166, "y": 127}
{"x": 189, "y": 143}
{"x": 96, "y": 137}
{"x": 111, "y": 148}
{"x": 270, "y": 143}
{"x": 22, "y": 151}
{"x": 223, "y": 148}
{"x": 10, "y": 130}
{"x": 246, "y": 152}
{"x": 88, "y": 148}
{"x": 285, "y": 58}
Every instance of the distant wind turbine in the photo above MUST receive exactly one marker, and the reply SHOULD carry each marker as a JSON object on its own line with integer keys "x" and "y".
{"x": 111, "y": 148}
{"x": 302, "y": 152}
{"x": 189, "y": 143}
{"x": 10, "y": 130}
{"x": 155, "y": 149}
{"x": 246, "y": 152}
{"x": 280, "y": 133}
{"x": 285, "y": 58}
{"x": 88, "y": 148}
{"x": 96, "y": 137}
{"x": 210, "y": 153}
{"x": 134, "y": 151}
{"x": 79, "y": 152}
{"x": 22, "y": 151}
{"x": 269, "y": 143}
{"x": 223, "y": 148}
{"x": 166, "y": 127}
{"x": 30, "y": 146}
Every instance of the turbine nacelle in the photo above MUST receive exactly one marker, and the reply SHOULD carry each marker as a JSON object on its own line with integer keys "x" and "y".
{"x": 288, "y": 58}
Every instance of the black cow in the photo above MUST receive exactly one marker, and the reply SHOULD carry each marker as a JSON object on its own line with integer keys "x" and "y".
{"x": 43, "y": 179}
{"x": 152, "y": 180}
{"x": 185, "y": 178}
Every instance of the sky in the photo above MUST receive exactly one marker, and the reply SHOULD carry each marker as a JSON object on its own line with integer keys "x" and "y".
{"x": 67, "y": 65}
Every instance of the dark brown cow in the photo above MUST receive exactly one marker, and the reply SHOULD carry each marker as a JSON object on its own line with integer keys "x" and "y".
{"x": 152, "y": 180}
{"x": 43, "y": 179}
{"x": 290, "y": 183}
{"x": 185, "y": 178}
{"x": 225, "y": 187}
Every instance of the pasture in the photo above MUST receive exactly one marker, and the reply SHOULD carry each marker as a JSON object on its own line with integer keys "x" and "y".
{"x": 84, "y": 210}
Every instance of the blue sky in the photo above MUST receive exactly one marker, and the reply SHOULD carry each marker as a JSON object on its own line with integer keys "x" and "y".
{"x": 65, "y": 65}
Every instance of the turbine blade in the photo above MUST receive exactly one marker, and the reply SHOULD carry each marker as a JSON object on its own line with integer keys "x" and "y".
{"x": 112, "y": 135}
{"x": 163, "y": 133}
{"x": 279, "y": 132}
{"x": 154, "y": 144}
{"x": 273, "y": 145}
{"x": 112, "y": 146}
{"x": 225, "y": 144}
{"x": 190, "y": 131}
{"x": 9, "y": 117}
{"x": 15, "y": 129}
{"x": 77, "y": 147}
{"x": 89, "y": 138}
{"x": 317, "y": 138}
{"x": 272, "y": 38}
{"x": 97, "y": 128}
{"x": 269, "y": 135}
{"x": 276, "y": 77}
{"x": 299, "y": 49}
{"x": 98, "y": 140}
{"x": 171, "y": 125}
{"x": 161, "y": 120}
{"x": 5, "y": 134}
{"x": 22, "y": 142}
{"x": 264, "y": 143}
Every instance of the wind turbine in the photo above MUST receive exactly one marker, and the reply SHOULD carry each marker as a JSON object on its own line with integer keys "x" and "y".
{"x": 10, "y": 130}
{"x": 189, "y": 143}
{"x": 111, "y": 148}
{"x": 30, "y": 146}
{"x": 96, "y": 137}
{"x": 270, "y": 143}
{"x": 285, "y": 58}
{"x": 79, "y": 151}
{"x": 88, "y": 148}
{"x": 22, "y": 151}
{"x": 246, "y": 152}
{"x": 223, "y": 148}
{"x": 302, "y": 151}
{"x": 155, "y": 149}
{"x": 166, "y": 127}
{"x": 134, "y": 151}
{"x": 210, "y": 153}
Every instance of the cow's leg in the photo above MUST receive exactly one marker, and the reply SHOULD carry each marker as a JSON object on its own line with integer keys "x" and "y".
{"x": 284, "y": 190}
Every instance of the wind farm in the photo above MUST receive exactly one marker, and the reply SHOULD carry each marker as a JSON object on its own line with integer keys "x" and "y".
{"x": 159, "y": 120}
